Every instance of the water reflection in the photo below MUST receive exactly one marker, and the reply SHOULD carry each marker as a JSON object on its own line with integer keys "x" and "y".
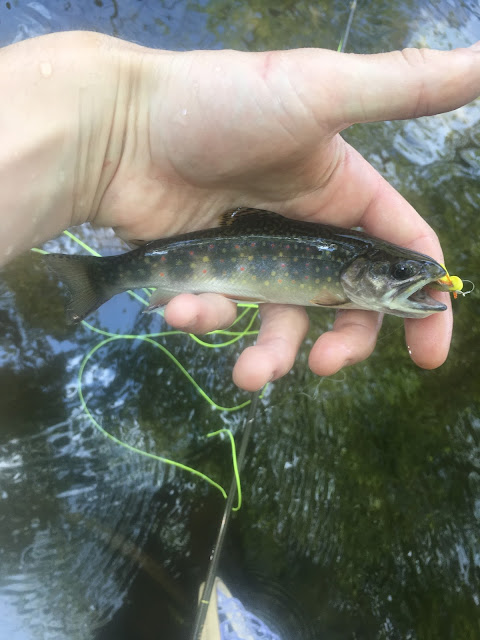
{"x": 362, "y": 499}
{"x": 75, "y": 504}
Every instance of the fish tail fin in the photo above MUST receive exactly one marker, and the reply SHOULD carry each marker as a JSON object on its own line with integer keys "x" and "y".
{"x": 86, "y": 280}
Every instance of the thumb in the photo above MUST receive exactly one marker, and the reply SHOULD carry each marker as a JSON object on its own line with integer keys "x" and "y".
{"x": 385, "y": 86}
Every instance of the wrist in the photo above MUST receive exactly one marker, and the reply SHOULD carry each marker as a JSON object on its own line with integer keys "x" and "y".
{"x": 62, "y": 126}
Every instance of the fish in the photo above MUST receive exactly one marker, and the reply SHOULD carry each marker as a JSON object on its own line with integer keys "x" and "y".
{"x": 260, "y": 256}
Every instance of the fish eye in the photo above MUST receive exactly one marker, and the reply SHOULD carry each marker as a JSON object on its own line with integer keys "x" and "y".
{"x": 402, "y": 271}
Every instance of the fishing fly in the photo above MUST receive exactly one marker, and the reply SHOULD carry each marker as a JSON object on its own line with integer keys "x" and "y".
{"x": 453, "y": 284}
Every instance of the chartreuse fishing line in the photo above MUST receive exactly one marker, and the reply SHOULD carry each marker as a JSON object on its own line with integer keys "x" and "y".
{"x": 231, "y": 336}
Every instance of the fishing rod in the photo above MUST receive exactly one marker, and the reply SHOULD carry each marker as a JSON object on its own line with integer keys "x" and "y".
{"x": 202, "y": 609}
{"x": 343, "y": 42}
{"x": 204, "y": 603}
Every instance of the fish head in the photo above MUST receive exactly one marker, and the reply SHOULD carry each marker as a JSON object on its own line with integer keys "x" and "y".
{"x": 393, "y": 280}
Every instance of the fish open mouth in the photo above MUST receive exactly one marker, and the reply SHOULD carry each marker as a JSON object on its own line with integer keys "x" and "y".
{"x": 423, "y": 301}
{"x": 416, "y": 301}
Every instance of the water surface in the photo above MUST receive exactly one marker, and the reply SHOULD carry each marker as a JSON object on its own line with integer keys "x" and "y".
{"x": 361, "y": 492}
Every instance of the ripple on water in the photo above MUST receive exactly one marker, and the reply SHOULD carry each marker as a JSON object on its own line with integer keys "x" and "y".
{"x": 70, "y": 551}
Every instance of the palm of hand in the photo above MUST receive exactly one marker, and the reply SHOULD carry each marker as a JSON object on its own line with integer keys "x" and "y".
{"x": 222, "y": 143}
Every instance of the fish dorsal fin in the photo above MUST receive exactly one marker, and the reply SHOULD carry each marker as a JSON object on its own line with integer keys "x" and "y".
{"x": 241, "y": 214}
{"x": 134, "y": 244}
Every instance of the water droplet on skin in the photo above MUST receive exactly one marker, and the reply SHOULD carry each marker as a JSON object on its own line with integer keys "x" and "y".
{"x": 181, "y": 117}
{"x": 46, "y": 69}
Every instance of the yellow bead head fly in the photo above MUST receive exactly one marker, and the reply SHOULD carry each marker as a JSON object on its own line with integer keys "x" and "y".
{"x": 449, "y": 283}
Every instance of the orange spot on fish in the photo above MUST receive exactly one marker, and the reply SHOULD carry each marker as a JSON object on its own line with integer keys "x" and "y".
{"x": 163, "y": 258}
{"x": 287, "y": 246}
{"x": 162, "y": 274}
{"x": 283, "y": 264}
{"x": 242, "y": 268}
{"x": 279, "y": 281}
{"x": 306, "y": 277}
{"x": 211, "y": 246}
{"x": 191, "y": 253}
{"x": 204, "y": 271}
{"x": 237, "y": 246}
{"x": 252, "y": 244}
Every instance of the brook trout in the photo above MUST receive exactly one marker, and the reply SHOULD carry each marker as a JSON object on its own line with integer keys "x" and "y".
{"x": 260, "y": 256}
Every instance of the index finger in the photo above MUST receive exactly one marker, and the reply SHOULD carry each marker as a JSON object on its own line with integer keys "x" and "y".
{"x": 428, "y": 339}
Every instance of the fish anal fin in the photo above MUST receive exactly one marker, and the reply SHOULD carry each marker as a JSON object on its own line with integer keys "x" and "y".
{"x": 235, "y": 298}
{"x": 160, "y": 298}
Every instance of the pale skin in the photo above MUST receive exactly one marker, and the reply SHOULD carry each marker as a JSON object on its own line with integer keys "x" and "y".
{"x": 153, "y": 143}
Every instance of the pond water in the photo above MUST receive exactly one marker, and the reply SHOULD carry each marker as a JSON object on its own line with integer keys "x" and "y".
{"x": 361, "y": 492}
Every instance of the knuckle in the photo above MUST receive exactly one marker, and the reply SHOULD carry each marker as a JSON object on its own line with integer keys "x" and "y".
{"x": 417, "y": 60}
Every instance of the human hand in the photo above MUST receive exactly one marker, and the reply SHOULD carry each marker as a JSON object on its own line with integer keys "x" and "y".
{"x": 261, "y": 130}
{"x": 195, "y": 133}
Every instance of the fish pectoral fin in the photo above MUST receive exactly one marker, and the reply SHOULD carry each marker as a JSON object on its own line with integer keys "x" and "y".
{"x": 328, "y": 299}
